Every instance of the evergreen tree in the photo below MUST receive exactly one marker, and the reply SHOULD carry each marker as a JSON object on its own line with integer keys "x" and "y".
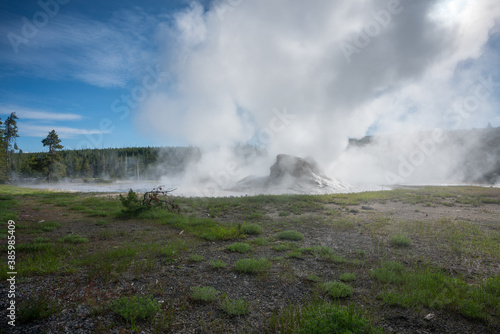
{"x": 54, "y": 168}
{"x": 3, "y": 156}
{"x": 10, "y": 135}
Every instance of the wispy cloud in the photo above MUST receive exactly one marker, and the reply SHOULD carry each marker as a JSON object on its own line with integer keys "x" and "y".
{"x": 64, "y": 132}
{"x": 28, "y": 113}
{"x": 104, "y": 54}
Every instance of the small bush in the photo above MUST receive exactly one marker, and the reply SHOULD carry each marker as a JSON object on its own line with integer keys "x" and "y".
{"x": 235, "y": 306}
{"x": 217, "y": 264}
{"x": 135, "y": 308}
{"x": 337, "y": 289}
{"x": 251, "y": 229}
{"x": 73, "y": 239}
{"x": 290, "y": 235}
{"x": 347, "y": 277}
{"x": 132, "y": 203}
{"x": 252, "y": 266}
{"x": 204, "y": 293}
{"x": 400, "y": 241}
{"x": 239, "y": 247}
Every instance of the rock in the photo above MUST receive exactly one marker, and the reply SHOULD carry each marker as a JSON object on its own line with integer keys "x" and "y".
{"x": 429, "y": 316}
{"x": 293, "y": 175}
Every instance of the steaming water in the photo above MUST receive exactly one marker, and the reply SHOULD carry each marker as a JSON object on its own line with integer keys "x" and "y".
{"x": 189, "y": 191}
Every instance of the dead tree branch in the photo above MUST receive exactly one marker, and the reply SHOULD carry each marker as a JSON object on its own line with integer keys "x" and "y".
{"x": 161, "y": 197}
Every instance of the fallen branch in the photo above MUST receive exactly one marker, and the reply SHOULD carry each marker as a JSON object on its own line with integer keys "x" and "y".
{"x": 161, "y": 197}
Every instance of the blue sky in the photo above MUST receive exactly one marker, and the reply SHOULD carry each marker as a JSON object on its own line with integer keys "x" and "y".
{"x": 67, "y": 74}
{"x": 212, "y": 72}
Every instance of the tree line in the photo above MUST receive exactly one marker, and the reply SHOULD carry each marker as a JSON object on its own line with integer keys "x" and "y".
{"x": 104, "y": 164}
{"x": 112, "y": 163}
{"x": 147, "y": 163}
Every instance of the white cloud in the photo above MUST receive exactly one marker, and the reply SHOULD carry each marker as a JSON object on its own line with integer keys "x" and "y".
{"x": 64, "y": 132}
{"x": 104, "y": 54}
{"x": 28, "y": 113}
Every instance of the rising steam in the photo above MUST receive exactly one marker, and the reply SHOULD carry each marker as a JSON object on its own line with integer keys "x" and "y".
{"x": 302, "y": 77}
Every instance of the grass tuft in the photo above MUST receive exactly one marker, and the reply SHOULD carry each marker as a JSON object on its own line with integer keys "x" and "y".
{"x": 235, "y": 306}
{"x": 337, "y": 289}
{"x": 204, "y": 293}
{"x": 135, "y": 308}
{"x": 217, "y": 264}
{"x": 321, "y": 318}
{"x": 195, "y": 258}
{"x": 73, "y": 239}
{"x": 400, "y": 241}
{"x": 36, "y": 308}
{"x": 49, "y": 226}
{"x": 347, "y": 277}
{"x": 239, "y": 247}
{"x": 252, "y": 266}
{"x": 251, "y": 229}
{"x": 290, "y": 235}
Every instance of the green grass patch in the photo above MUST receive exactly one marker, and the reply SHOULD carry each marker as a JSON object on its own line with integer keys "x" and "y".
{"x": 73, "y": 239}
{"x": 337, "y": 289}
{"x": 49, "y": 226}
{"x": 205, "y": 228}
{"x": 347, "y": 277}
{"x": 252, "y": 266}
{"x": 235, "y": 307}
{"x": 430, "y": 287}
{"x": 135, "y": 308}
{"x": 239, "y": 247}
{"x": 204, "y": 293}
{"x": 36, "y": 308}
{"x": 110, "y": 264}
{"x": 34, "y": 247}
{"x": 290, "y": 235}
{"x": 389, "y": 272}
{"x": 321, "y": 318}
{"x": 217, "y": 264}
{"x": 195, "y": 258}
{"x": 261, "y": 241}
{"x": 400, "y": 241}
{"x": 295, "y": 254}
{"x": 251, "y": 229}
{"x": 313, "y": 278}
{"x": 282, "y": 247}
{"x": 8, "y": 205}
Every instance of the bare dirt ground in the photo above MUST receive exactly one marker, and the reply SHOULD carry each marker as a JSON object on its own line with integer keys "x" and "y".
{"x": 358, "y": 232}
